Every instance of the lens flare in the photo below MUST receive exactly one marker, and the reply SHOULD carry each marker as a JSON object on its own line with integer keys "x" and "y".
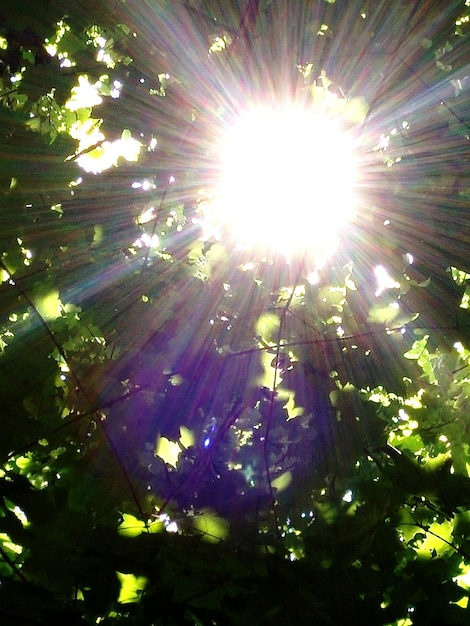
{"x": 286, "y": 180}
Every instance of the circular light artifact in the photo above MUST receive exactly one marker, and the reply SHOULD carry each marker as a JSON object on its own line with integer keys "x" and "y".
{"x": 286, "y": 181}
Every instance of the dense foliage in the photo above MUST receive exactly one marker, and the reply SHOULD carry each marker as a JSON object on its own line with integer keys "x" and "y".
{"x": 194, "y": 433}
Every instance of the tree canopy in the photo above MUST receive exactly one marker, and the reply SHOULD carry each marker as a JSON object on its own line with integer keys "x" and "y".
{"x": 197, "y": 431}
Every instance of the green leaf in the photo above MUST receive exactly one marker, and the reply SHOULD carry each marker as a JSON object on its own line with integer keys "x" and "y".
{"x": 417, "y": 349}
{"x": 132, "y": 588}
{"x": 212, "y": 527}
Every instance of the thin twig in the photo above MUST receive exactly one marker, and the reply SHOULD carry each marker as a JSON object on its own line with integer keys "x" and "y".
{"x": 79, "y": 384}
{"x": 427, "y": 530}
{"x": 286, "y": 309}
{"x": 13, "y": 565}
{"x": 77, "y": 418}
{"x": 327, "y": 340}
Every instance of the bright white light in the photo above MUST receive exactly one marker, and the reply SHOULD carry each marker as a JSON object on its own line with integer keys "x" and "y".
{"x": 84, "y": 95}
{"x": 147, "y": 241}
{"x": 286, "y": 180}
{"x": 116, "y": 90}
{"x": 384, "y": 280}
{"x": 146, "y": 216}
{"x": 108, "y": 153}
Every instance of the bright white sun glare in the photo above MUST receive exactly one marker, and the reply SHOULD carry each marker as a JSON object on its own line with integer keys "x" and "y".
{"x": 286, "y": 181}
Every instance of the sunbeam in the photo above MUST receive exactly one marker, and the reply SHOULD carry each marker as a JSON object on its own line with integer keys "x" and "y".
{"x": 286, "y": 180}
{"x": 235, "y": 311}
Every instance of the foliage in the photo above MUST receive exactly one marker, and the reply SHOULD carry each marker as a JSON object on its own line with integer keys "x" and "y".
{"x": 198, "y": 434}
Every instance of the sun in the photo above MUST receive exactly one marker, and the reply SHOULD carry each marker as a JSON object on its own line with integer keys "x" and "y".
{"x": 286, "y": 180}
